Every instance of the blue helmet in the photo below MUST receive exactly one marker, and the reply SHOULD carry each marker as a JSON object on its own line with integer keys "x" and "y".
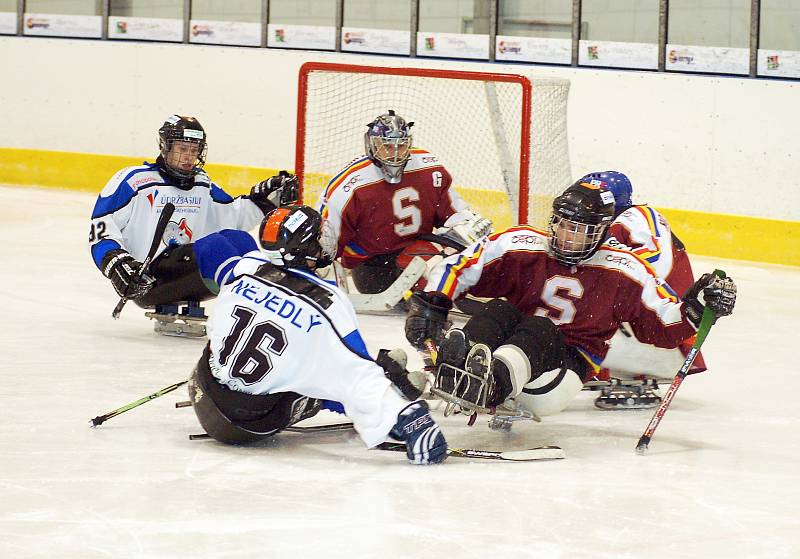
{"x": 618, "y": 184}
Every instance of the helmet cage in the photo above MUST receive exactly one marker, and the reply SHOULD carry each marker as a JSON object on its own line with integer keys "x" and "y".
{"x": 388, "y": 143}
{"x": 573, "y": 241}
{"x": 185, "y": 130}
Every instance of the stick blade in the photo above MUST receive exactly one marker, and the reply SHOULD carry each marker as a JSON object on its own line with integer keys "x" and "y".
{"x": 541, "y": 453}
{"x": 641, "y": 446}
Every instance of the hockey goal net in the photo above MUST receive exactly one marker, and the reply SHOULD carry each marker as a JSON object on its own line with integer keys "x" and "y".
{"x": 503, "y": 137}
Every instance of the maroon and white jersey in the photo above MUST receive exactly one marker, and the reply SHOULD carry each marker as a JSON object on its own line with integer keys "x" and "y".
{"x": 587, "y": 302}
{"x": 368, "y": 216}
{"x": 649, "y": 236}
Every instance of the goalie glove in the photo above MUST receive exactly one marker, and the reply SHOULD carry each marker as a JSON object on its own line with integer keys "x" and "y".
{"x": 275, "y": 192}
{"x": 124, "y": 273}
{"x": 710, "y": 291}
{"x": 467, "y": 227}
{"x": 427, "y": 318}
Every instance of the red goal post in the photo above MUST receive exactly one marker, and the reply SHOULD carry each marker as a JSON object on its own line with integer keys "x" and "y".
{"x": 479, "y": 124}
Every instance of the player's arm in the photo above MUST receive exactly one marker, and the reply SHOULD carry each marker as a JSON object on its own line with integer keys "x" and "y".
{"x": 111, "y": 215}
{"x": 638, "y": 228}
{"x": 275, "y": 192}
{"x": 456, "y": 220}
{"x": 451, "y": 278}
{"x": 661, "y": 319}
{"x": 341, "y": 214}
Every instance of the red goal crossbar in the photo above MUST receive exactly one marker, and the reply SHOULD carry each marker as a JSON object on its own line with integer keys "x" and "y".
{"x": 525, "y": 139}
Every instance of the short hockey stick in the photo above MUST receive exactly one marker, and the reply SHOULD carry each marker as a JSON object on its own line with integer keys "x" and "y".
{"x": 702, "y": 332}
{"x": 527, "y": 455}
{"x": 100, "y": 419}
{"x": 161, "y": 226}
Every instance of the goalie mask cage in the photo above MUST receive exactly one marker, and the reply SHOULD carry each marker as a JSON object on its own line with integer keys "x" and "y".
{"x": 503, "y": 137}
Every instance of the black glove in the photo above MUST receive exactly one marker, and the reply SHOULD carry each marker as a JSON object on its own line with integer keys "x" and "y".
{"x": 396, "y": 372}
{"x": 710, "y": 291}
{"x": 427, "y": 317}
{"x": 123, "y": 271}
{"x": 275, "y": 192}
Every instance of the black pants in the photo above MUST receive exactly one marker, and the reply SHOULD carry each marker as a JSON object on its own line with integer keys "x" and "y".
{"x": 177, "y": 279}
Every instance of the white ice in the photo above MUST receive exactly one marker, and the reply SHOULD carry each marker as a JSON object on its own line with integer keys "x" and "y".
{"x": 720, "y": 478}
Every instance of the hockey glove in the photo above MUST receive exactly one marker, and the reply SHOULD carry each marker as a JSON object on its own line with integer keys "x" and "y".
{"x": 425, "y": 443}
{"x": 715, "y": 293}
{"x": 393, "y": 364}
{"x": 124, "y": 273}
{"x": 427, "y": 317}
{"x": 275, "y": 192}
{"x": 471, "y": 228}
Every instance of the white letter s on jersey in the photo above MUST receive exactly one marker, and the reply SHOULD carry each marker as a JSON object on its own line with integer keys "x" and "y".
{"x": 564, "y": 306}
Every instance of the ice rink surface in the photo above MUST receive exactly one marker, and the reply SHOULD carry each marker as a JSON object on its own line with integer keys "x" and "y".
{"x": 721, "y": 477}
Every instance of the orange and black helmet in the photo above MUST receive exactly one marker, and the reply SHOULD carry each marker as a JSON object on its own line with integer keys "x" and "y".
{"x": 291, "y": 237}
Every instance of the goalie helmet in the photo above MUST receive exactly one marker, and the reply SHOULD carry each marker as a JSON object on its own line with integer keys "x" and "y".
{"x": 293, "y": 236}
{"x": 388, "y": 144}
{"x": 581, "y": 216}
{"x": 182, "y": 144}
{"x": 619, "y": 185}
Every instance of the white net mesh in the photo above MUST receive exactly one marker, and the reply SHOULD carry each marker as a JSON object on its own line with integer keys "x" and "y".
{"x": 474, "y": 127}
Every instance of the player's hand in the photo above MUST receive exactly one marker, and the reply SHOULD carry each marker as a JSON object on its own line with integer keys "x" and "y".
{"x": 427, "y": 317}
{"x": 123, "y": 271}
{"x": 471, "y": 229}
{"x": 394, "y": 364}
{"x": 275, "y": 192}
{"x": 710, "y": 291}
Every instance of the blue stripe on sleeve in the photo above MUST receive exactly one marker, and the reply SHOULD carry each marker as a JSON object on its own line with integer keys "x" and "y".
{"x": 219, "y": 195}
{"x": 355, "y": 342}
{"x": 121, "y": 197}
{"x": 655, "y": 221}
{"x": 99, "y": 250}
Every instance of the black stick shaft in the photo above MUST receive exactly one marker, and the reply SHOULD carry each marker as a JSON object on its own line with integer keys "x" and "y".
{"x": 161, "y": 226}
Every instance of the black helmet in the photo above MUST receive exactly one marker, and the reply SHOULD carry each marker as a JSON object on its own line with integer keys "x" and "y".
{"x": 187, "y": 130}
{"x": 291, "y": 236}
{"x": 581, "y": 216}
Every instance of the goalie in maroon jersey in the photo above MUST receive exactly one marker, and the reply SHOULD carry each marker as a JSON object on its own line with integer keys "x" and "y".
{"x": 378, "y": 207}
{"x": 557, "y": 299}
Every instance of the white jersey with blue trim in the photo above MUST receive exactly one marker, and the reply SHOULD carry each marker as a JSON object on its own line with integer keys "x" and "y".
{"x": 286, "y": 330}
{"x": 127, "y": 210}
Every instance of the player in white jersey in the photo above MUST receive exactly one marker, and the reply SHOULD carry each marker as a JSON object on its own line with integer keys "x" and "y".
{"x": 284, "y": 343}
{"x": 382, "y": 206}
{"x": 129, "y": 206}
